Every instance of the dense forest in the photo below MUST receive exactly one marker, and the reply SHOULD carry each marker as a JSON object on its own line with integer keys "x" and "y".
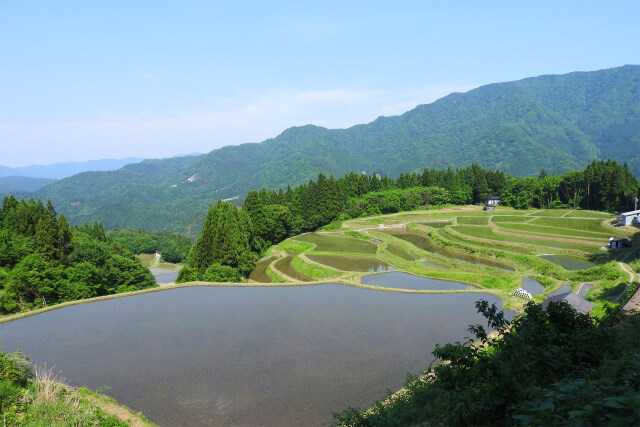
{"x": 233, "y": 239}
{"x": 556, "y": 123}
{"x": 174, "y": 247}
{"x": 43, "y": 261}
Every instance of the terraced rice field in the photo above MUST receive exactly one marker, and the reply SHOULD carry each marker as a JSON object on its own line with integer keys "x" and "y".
{"x": 487, "y": 249}
{"x": 336, "y": 243}
{"x": 488, "y": 233}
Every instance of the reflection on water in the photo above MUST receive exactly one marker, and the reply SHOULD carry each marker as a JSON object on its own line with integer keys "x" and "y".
{"x": 532, "y": 286}
{"x": 245, "y": 356}
{"x": 352, "y": 263}
{"x": 163, "y": 275}
{"x": 409, "y": 281}
{"x": 568, "y": 262}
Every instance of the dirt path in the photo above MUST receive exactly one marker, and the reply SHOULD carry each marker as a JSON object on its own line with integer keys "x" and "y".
{"x": 122, "y": 413}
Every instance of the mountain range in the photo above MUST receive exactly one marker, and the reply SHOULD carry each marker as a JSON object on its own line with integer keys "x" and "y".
{"x": 63, "y": 170}
{"x": 552, "y": 122}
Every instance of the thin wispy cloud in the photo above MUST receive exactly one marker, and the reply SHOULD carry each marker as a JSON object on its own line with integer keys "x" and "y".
{"x": 248, "y": 119}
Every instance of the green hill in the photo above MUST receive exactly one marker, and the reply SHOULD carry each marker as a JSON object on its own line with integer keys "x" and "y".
{"x": 556, "y": 122}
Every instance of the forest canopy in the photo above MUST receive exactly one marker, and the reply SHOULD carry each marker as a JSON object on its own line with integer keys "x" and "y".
{"x": 236, "y": 237}
{"x": 43, "y": 261}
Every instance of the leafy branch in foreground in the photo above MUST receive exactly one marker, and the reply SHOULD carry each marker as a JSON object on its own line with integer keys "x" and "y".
{"x": 553, "y": 367}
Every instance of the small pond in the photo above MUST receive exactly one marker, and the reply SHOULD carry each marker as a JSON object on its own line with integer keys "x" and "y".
{"x": 352, "y": 263}
{"x": 401, "y": 280}
{"x": 532, "y": 286}
{"x": 245, "y": 356}
{"x": 568, "y": 262}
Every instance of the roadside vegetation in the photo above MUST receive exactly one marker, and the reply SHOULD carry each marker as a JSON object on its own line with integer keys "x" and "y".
{"x": 553, "y": 367}
{"x": 31, "y": 397}
{"x": 44, "y": 261}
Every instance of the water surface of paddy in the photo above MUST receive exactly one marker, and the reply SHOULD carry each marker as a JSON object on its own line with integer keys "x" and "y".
{"x": 424, "y": 243}
{"x": 259, "y": 273}
{"x": 532, "y": 286}
{"x": 352, "y": 263}
{"x": 397, "y": 279}
{"x": 245, "y": 356}
{"x": 568, "y": 262}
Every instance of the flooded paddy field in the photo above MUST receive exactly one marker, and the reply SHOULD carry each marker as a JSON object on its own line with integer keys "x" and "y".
{"x": 568, "y": 262}
{"x": 259, "y": 273}
{"x": 352, "y": 263}
{"x": 284, "y": 265}
{"x": 334, "y": 243}
{"x": 397, "y": 279}
{"x": 423, "y": 242}
{"x": 245, "y": 356}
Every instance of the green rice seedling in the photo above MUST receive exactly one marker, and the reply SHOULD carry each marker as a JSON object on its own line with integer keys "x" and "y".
{"x": 473, "y": 220}
{"x": 314, "y": 271}
{"x": 544, "y": 229}
{"x": 510, "y": 218}
{"x": 573, "y": 224}
{"x": 336, "y": 243}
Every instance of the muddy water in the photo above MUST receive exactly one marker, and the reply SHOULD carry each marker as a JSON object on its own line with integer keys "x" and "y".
{"x": 259, "y": 274}
{"x": 245, "y": 356}
{"x": 284, "y": 265}
{"x": 401, "y": 280}
{"x": 352, "y": 263}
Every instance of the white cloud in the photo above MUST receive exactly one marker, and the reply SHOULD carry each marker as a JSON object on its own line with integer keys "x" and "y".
{"x": 249, "y": 118}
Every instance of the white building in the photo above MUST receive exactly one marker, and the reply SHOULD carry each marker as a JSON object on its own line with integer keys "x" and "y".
{"x": 629, "y": 218}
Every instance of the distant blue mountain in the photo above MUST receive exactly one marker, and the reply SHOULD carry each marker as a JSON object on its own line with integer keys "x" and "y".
{"x": 21, "y": 184}
{"x": 64, "y": 170}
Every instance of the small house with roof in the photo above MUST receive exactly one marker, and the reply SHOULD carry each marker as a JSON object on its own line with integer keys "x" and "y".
{"x": 619, "y": 242}
{"x": 492, "y": 202}
{"x": 628, "y": 218}
{"x": 576, "y": 302}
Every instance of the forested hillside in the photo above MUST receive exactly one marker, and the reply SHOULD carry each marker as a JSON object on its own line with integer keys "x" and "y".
{"x": 557, "y": 123}
{"x": 233, "y": 239}
{"x": 43, "y": 261}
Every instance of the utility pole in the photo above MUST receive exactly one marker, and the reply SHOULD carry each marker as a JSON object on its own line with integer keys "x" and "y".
{"x": 635, "y": 204}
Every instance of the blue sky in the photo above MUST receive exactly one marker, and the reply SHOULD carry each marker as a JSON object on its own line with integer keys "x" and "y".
{"x": 84, "y": 80}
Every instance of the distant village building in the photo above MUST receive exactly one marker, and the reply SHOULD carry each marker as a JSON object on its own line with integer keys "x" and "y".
{"x": 492, "y": 202}
{"x": 158, "y": 255}
{"x": 619, "y": 242}
{"x": 576, "y": 302}
{"x": 628, "y": 218}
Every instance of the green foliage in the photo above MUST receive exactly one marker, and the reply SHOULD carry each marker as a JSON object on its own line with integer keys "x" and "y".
{"x": 314, "y": 271}
{"x": 553, "y": 367}
{"x": 174, "y": 248}
{"x": 44, "y": 261}
{"x": 15, "y": 368}
{"x": 556, "y": 123}
{"x": 221, "y": 273}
